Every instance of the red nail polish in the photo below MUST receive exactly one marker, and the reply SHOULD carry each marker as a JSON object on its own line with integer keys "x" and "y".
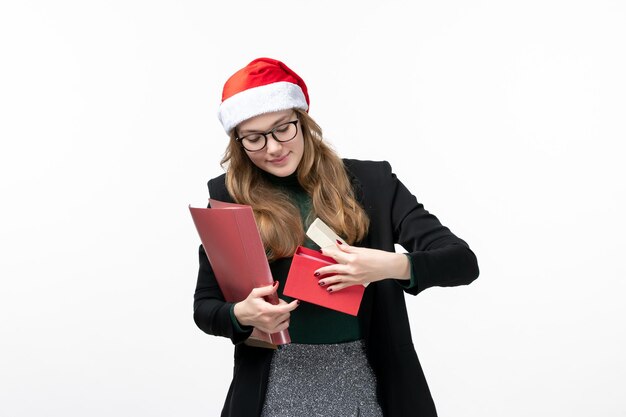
{"x": 330, "y": 290}
{"x": 339, "y": 242}
{"x": 322, "y": 283}
{"x": 275, "y": 283}
{"x": 298, "y": 302}
{"x": 317, "y": 274}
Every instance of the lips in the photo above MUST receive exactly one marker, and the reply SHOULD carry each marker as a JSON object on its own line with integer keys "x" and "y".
{"x": 278, "y": 160}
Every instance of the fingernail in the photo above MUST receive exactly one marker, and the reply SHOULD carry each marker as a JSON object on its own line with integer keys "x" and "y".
{"x": 317, "y": 274}
{"x": 275, "y": 283}
{"x": 322, "y": 283}
{"x": 339, "y": 242}
{"x": 330, "y": 290}
{"x": 298, "y": 302}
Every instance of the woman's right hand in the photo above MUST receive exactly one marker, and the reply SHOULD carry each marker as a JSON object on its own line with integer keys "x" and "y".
{"x": 267, "y": 317}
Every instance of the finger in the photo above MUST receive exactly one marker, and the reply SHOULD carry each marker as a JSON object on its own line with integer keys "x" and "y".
{"x": 335, "y": 279}
{"x": 282, "y": 318}
{"x": 277, "y": 326}
{"x": 338, "y": 287}
{"x": 339, "y": 256}
{"x": 344, "y": 247}
{"x": 326, "y": 271}
{"x": 264, "y": 291}
{"x": 330, "y": 251}
{"x": 282, "y": 326}
{"x": 335, "y": 253}
{"x": 286, "y": 308}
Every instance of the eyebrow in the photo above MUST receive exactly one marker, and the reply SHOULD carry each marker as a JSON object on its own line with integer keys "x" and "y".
{"x": 276, "y": 123}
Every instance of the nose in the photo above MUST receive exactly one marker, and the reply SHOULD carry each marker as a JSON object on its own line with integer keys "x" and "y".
{"x": 273, "y": 146}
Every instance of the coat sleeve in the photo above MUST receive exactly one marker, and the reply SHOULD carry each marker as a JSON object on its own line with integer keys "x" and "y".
{"x": 437, "y": 256}
{"x": 211, "y": 312}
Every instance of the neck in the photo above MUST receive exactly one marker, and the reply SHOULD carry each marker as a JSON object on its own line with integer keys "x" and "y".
{"x": 289, "y": 180}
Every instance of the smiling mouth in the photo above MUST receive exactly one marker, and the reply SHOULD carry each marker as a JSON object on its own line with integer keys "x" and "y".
{"x": 277, "y": 160}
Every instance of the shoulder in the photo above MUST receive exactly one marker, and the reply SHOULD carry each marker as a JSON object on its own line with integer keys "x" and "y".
{"x": 369, "y": 171}
{"x": 373, "y": 182}
{"x": 217, "y": 188}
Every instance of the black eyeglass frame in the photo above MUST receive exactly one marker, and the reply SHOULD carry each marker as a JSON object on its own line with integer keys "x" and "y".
{"x": 270, "y": 132}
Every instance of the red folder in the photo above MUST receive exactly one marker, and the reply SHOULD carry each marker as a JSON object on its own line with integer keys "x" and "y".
{"x": 232, "y": 243}
{"x": 303, "y": 285}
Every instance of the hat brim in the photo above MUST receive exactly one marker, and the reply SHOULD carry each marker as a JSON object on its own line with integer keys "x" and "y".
{"x": 252, "y": 102}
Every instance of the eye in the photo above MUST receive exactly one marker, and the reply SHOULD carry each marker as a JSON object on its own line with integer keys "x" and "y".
{"x": 252, "y": 138}
{"x": 282, "y": 128}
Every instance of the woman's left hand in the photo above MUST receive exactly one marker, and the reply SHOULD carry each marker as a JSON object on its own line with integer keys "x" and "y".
{"x": 357, "y": 266}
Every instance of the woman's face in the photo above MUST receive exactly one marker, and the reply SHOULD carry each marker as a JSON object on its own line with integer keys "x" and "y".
{"x": 277, "y": 158}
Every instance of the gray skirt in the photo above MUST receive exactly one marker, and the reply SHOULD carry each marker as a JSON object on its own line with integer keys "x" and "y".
{"x": 321, "y": 380}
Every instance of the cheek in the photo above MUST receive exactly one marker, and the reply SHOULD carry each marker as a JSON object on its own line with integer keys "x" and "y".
{"x": 299, "y": 147}
{"x": 255, "y": 158}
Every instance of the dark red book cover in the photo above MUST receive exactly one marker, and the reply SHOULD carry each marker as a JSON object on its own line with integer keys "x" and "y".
{"x": 232, "y": 243}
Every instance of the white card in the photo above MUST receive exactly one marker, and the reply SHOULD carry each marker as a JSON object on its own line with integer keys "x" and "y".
{"x": 324, "y": 236}
{"x": 320, "y": 233}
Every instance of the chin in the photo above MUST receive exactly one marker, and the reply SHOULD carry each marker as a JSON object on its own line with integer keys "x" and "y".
{"x": 281, "y": 172}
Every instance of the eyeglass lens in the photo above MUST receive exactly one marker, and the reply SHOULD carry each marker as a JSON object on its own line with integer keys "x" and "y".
{"x": 282, "y": 133}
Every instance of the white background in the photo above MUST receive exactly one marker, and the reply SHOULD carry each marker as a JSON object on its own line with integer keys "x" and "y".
{"x": 506, "y": 119}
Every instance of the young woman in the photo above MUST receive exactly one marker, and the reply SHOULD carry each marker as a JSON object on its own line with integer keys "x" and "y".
{"x": 337, "y": 365}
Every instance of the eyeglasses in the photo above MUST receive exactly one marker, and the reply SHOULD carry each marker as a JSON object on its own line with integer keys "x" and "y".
{"x": 282, "y": 133}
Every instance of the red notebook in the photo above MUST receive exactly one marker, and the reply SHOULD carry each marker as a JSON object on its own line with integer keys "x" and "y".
{"x": 232, "y": 243}
{"x": 302, "y": 284}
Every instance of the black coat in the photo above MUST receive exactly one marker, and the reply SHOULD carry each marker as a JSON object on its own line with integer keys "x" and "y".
{"x": 438, "y": 258}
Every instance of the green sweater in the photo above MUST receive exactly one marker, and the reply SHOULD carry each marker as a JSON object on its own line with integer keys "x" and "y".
{"x": 310, "y": 323}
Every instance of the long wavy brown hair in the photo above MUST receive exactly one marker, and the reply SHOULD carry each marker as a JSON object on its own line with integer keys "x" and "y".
{"x": 321, "y": 173}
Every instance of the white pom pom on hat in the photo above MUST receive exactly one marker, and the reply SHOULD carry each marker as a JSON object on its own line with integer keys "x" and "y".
{"x": 264, "y": 85}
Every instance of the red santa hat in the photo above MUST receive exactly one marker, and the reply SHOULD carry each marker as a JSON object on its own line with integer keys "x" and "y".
{"x": 264, "y": 85}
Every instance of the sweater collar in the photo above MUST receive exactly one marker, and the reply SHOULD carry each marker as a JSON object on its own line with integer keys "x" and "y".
{"x": 288, "y": 181}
